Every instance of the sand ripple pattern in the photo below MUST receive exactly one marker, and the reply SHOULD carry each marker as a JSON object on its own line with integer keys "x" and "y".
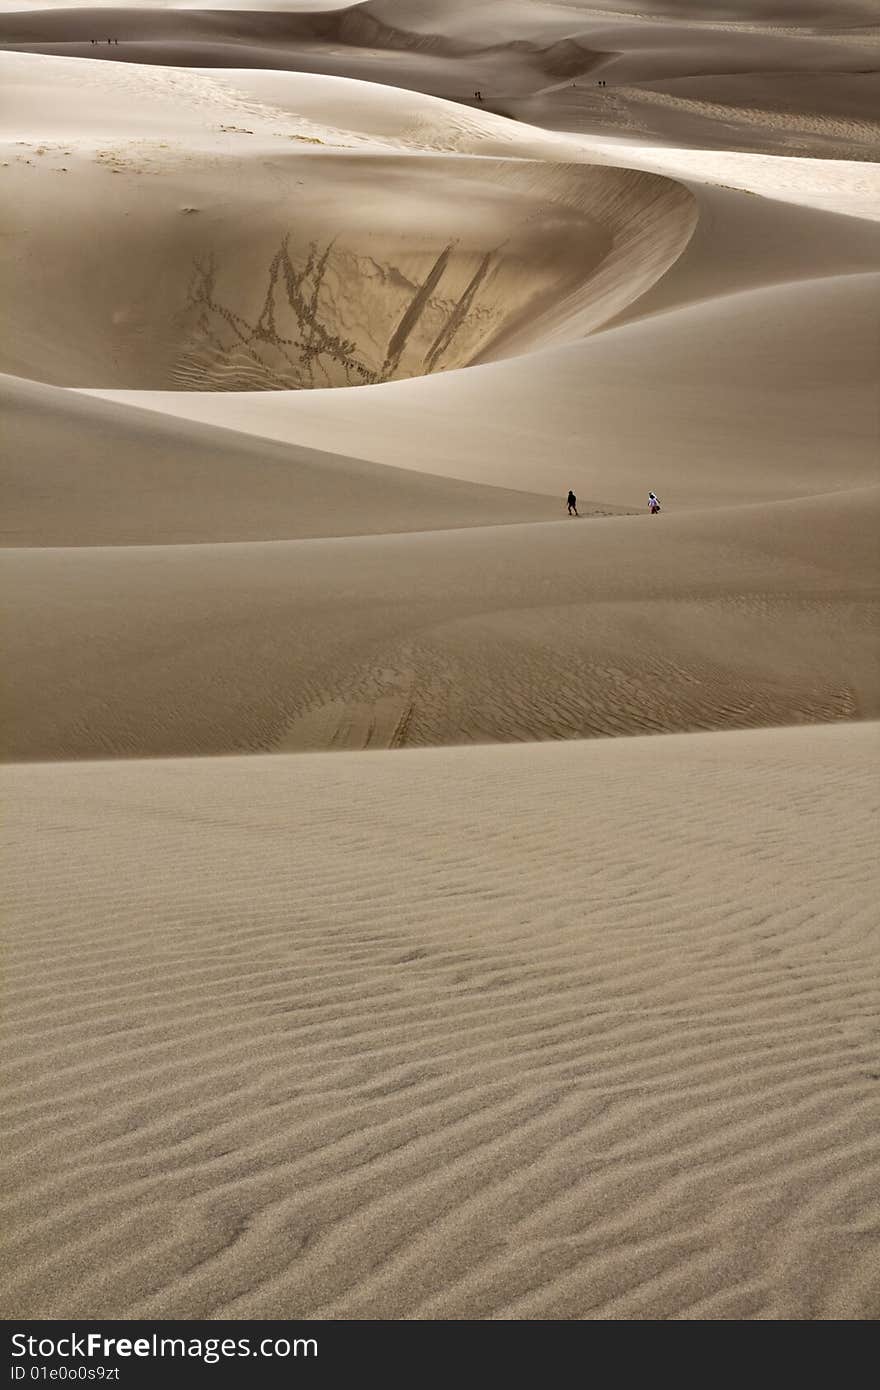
{"x": 616, "y": 626}
{"x": 613, "y": 1053}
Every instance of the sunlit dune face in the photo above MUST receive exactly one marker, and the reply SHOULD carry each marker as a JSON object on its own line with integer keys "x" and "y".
{"x": 376, "y": 293}
{"x": 290, "y": 274}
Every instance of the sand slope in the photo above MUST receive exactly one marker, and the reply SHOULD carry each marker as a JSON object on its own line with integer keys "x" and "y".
{"x": 781, "y": 81}
{"x": 829, "y": 115}
{"x": 152, "y": 244}
{"x": 77, "y": 471}
{"x": 622, "y": 625}
{"x": 763, "y": 394}
{"x": 796, "y": 87}
{"x": 611, "y": 1054}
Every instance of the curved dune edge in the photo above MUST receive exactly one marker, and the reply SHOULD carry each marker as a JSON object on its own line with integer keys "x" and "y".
{"x": 795, "y": 88}
{"x": 760, "y": 395}
{"x": 561, "y": 630}
{"x": 78, "y": 471}
{"x": 246, "y": 249}
{"x": 610, "y": 1054}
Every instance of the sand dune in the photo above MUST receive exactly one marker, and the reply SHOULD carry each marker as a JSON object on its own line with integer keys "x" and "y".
{"x": 709, "y": 620}
{"x": 843, "y": 186}
{"x": 295, "y": 278}
{"x": 788, "y": 113}
{"x": 728, "y": 403}
{"x": 785, "y": 82}
{"x": 199, "y": 109}
{"x": 611, "y": 1055}
{"x": 82, "y": 472}
{"x": 305, "y": 345}
{"x": 769, "y": 393}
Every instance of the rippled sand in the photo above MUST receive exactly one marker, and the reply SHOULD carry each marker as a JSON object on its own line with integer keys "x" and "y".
{"x": 519, "y": 958}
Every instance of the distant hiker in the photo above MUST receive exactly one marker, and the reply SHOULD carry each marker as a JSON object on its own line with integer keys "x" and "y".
{"x": 653, "y": 503}
{"x": 479, "y": 96}
{"x": 571, "y": 502}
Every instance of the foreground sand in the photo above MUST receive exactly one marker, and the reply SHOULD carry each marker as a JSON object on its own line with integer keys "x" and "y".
{"x": 567, "y": 1030}
{"x": 553, "y": 1030}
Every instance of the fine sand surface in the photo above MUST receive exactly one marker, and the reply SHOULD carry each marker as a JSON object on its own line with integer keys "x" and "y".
{"x": 79, "y": 471}
{"x": 765, "y": 394}
{"x": 566, "y": 629}
{"x": 795, "y": 78}
{"x": 519, "y": 959}
{"x": 180, "y": 263}
{"x": 611, "y": 1052}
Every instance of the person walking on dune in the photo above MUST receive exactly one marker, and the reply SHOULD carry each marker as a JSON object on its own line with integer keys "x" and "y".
{"x": 572, "y": 503}
{"x": 653, "y": 503}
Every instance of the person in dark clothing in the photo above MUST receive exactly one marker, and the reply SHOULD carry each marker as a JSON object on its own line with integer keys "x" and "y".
{"x": 572, "y": 504}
